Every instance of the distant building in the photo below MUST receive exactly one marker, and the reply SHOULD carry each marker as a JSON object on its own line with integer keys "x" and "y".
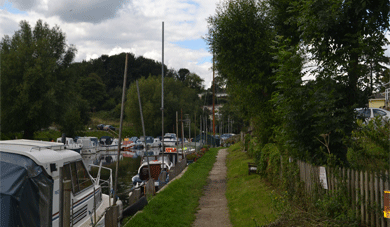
{"x": 379, "y": 101}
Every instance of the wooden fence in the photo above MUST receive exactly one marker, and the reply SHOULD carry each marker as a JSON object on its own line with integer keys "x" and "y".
{"x": 365, "y": 190}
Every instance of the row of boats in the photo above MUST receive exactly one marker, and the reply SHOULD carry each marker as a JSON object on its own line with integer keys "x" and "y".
{"x": 91, "y": 145}
{"x": 33, "y": 174}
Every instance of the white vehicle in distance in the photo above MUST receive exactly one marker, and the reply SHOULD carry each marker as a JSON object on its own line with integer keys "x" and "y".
{"x": 371, "y": 112}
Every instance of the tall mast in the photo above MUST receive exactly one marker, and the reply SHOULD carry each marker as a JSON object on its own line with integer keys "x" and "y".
{"x": 213, "y": 99}
{"x": 120, "y": 131}
{"x": 162, "y": 95}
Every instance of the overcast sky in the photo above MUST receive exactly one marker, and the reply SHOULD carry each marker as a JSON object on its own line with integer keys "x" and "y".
{"x": 98, "y": 27}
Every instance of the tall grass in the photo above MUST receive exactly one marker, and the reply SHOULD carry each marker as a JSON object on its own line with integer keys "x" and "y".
{"x": 250, "y": 200}
{"x": 176, "y": 205}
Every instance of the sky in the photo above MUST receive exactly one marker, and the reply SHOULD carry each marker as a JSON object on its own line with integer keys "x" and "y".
{"x": 110, "y": 27}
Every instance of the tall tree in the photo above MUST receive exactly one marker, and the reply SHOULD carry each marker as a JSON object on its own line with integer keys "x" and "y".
{"x": 176, "y": 97}
{"x": 93, "y": 90}
{"x": 240, "y": 37}
{"x": 346, "y": 39}
{"x": 194, "y": 81}
{"x": 34, "y": 81}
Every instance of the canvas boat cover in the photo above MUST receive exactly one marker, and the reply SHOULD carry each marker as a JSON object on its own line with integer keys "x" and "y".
{"x": 26, "y": 192}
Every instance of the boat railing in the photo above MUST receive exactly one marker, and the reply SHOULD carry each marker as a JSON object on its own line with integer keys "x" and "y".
{"x": 103, "y": 183}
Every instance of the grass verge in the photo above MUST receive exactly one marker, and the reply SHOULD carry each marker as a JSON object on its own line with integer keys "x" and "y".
{"x": 176, "y": 205}
{"x": 250, "y": 200}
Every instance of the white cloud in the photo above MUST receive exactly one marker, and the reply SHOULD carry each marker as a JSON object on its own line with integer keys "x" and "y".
{"x": 98, "y": 27}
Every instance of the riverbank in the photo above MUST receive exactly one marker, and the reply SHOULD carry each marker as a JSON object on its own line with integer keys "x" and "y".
{"x": 249, "y": 200}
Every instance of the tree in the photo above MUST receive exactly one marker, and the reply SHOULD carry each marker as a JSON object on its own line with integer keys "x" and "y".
{"x": 93, "y": 90}
{"x": 34, "y": 79}
{"x": 347, "y": 40}
{"x": 176, "y": 97}
{"x": 240, "y": 37}
{"x": 194, "y": 81}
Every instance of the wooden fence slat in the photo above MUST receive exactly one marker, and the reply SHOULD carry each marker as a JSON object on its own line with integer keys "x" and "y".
{"x": 383, "y": 224}
{"x": 372, "y": 199}
{"x": 366, "y": 198}
{"x": 331, "y": 180}
{"x": 357, "y": 193}
{"x": 365, "y": 190}
{"x": 348, "y": 182}
{"x": 386, "y": 185}
{"x": 352, "y": 187}
{"x": 362, "y": 220}
{"x": 376, "y": 192}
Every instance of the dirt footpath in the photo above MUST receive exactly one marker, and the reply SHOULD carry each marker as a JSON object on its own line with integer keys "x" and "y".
{"x": 213, "y": 209}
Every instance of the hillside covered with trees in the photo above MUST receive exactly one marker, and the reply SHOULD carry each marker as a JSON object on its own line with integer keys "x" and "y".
{"x": 41, "y": 86}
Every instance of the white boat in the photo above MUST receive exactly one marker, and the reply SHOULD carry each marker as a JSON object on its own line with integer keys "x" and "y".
{"x": 90, "y": 145}
{"x": 156, "y": 143}
{"x": 170, "y": 139}
{"x": 30, "y": 189}
{"x": 70, "y": 144}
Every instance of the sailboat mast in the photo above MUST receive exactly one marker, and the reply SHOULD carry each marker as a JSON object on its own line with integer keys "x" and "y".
{"x": 120, "y": 131}
{"x": 213, "y": 99}
{"x": 162, "y": 95}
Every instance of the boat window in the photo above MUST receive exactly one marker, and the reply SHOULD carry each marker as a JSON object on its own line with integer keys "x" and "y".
{"x": 75, "y": 183}
{"x": 84, "y": 179}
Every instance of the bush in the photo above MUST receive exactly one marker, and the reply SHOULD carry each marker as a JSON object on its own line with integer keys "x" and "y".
{"x": 269, "y": 162}
{"x": 369, "y": 146}
{"x": 192, "y": 156}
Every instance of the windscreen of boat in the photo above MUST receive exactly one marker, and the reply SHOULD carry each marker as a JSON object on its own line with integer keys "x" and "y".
{"x": 26, "y": 192}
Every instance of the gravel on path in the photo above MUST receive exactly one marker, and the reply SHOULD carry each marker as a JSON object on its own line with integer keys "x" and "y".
{"x": 213, "y": 210}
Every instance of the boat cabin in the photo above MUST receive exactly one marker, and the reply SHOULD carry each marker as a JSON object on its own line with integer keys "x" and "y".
{"x": 30, "y": 185}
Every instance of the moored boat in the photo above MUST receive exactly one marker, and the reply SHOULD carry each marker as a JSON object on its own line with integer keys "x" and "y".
{"x": 90, "y": 145}
{"x": 32, "y": 176}
{"x": 70, "y": 144}
{"x": 170, "y": 139}
{"x": 157, "y": 169}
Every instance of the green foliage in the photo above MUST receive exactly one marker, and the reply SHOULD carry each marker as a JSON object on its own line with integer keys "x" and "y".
{"x": 305, "y": 111}
{"x": 369, "y": 145}
{"x": 35, "y": 81}
{"x": 346, "y": 39}
{"x": 240, "y": 36}
{"x": 193, "y": 81}
{"x": 47, "y": 135}
{"x": 93, "y": 90}
{"x": 269, "y": 162}
{"x": 176, "y": 97}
